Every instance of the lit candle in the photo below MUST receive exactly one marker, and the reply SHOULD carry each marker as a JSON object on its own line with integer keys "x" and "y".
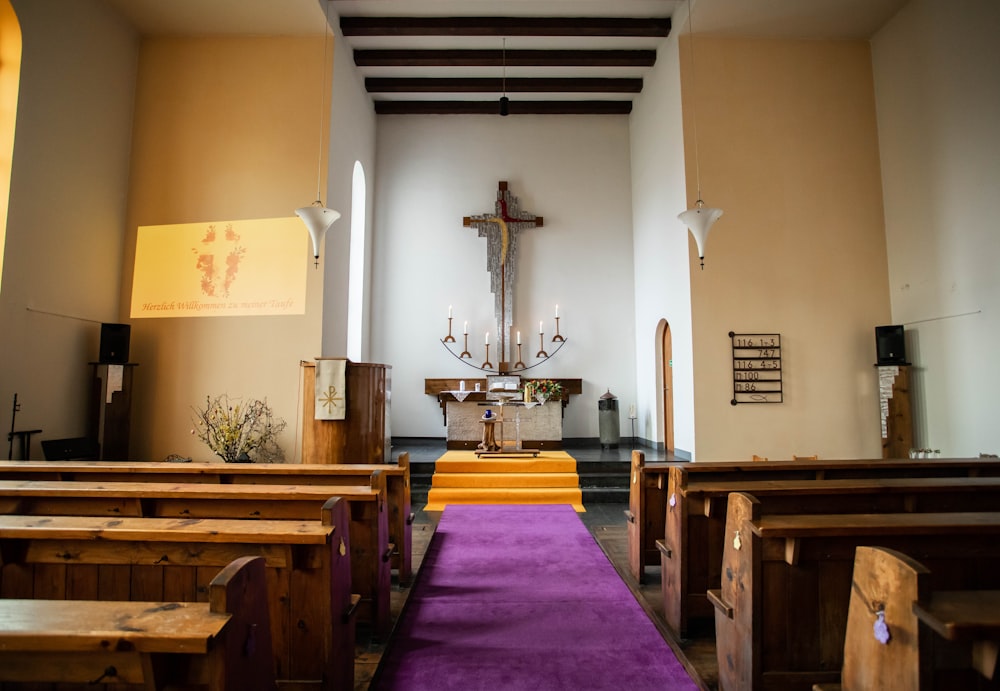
{"x": 487, "y": 338}
{"x": 449, "y": 311}
{"x": 465, "y": 328}
{"x": 557, "y": 311}
{"x": 540, "y": 329}
{"x": 519, "y": 338}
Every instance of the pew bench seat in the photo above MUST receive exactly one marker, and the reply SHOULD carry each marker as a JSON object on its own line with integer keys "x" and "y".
{"x": 369, "y": 542}
{"x": 970, "y": 616}
{"x": 307, "y": 563}
{"x": 691, "y": 549}
{"x": 397, "y": 480}
{"x": 650, "y": 487}
{"x": 782, "y": 609}
{"x": 223, "y": 644}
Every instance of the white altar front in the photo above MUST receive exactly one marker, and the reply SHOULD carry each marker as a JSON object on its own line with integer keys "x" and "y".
{"x": 539, "y": 426}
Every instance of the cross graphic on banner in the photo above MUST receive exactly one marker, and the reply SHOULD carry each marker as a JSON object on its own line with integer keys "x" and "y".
{"x": 331, "y": 399}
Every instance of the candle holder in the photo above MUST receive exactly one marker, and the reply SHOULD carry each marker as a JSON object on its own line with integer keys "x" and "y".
{"x": 541, "y": 345}
{"x": 509, "y": 362}
{"x": 519, "y": 364}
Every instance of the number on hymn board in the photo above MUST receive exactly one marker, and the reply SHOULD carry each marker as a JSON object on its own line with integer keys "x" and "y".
{"x": 756, "y": 368}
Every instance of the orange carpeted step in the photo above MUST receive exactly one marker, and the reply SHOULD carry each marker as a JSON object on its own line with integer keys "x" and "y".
{"x": 461, "y": 477}
{"x": 505, "y": 480}
{"x": 437, "y": 499}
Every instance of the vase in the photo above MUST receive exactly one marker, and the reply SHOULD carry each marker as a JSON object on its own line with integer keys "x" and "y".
{"x": 541, "y": 398}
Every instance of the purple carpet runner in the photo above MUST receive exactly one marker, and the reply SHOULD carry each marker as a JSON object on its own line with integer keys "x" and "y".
{"x": 522, "y": 597}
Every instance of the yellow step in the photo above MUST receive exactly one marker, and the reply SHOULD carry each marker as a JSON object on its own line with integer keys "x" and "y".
{"x": 505, "y": 465}
{"x": 505, "y": 480}
{"x": 438, "y": 498}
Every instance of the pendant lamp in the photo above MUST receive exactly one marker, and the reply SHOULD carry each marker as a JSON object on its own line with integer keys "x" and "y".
{"x": 700, "y": 218}
{"x": 318, "y": 220}
{"x": 699, "y": 221}
{"x": 317, "y": 217}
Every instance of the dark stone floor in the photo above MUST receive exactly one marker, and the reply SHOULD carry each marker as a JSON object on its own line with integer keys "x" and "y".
{"x": 605, "y": 520}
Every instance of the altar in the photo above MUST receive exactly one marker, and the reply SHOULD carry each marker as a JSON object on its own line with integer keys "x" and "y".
{"x": 538, "y": 426}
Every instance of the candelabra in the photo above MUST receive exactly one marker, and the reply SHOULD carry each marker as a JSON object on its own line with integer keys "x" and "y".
{"x": 503, "y": 365}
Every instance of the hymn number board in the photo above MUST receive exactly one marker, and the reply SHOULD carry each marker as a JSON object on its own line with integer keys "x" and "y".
{"x": 756, "y": 368}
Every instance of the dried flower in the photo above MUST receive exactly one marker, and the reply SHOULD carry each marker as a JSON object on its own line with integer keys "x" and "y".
{"x": 239, "y": 432}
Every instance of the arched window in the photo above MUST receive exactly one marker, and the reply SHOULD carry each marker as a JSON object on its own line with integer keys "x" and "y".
{"x": 356, "y": 278}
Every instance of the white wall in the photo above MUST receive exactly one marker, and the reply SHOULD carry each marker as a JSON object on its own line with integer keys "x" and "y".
{"x": 66, "y": 221}
{"x": 352, "y": 138}
{"x": 662, "y": 266}
{"x": 571, "y": 170}
{"x": 937, "y": 78}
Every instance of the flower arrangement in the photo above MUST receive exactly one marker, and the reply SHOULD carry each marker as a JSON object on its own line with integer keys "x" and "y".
{"x": 239, "y": 432}
{"x": 547, "y": 388}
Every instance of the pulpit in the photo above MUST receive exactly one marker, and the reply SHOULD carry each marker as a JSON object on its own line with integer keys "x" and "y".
{"x": 363, "y": 436}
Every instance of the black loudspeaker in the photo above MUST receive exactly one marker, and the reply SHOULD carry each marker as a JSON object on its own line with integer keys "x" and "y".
{"x": 889, "y": 345}
{"x": 114, "y": 343}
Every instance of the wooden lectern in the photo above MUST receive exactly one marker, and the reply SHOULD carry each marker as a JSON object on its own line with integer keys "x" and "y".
{"x": 110, "y": 409}
{"x": 897, "y": 416}
{"x": 363, "y": 437}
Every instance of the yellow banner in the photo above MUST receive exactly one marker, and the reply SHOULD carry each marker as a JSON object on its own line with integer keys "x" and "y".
{"x": 225, "y": 268}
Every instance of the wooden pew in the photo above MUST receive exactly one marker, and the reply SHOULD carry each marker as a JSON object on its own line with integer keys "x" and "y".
{"x": 310, "y": 604}
{"x": 893, "y": 589}
{"x": 781, "y": 611}
{"x": 223, "y": 644}
{"x": 370, "y": 548}
{"x": 649, "y": 489}
{"x": 647, "y": 496}
{"x": 691, "y": 550}
{"x": 397, "y": 477}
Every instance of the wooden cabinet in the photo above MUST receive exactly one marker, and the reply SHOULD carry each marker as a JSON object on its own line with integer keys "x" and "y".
{"x": 364, "y": 435}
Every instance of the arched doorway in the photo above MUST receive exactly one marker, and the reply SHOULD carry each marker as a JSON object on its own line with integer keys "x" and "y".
{"x": 665, "y": 365}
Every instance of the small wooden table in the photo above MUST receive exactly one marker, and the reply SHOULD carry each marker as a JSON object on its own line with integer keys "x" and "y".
{"x": 972, "y": 616}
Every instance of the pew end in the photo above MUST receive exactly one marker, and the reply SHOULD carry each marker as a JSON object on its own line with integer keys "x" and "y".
{"x": 885, "y": 585}
{"x": 240, "y": 590}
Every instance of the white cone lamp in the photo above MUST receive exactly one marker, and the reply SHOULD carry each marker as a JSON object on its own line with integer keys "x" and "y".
{"x": 700, "y": 218}
{"x": 699, "y": 221}
{"x": 318, "y": 220}
{"x": 317, "y": 217}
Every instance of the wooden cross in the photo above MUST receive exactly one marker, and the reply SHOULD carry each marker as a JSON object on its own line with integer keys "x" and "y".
{"x": 501, "y": 229}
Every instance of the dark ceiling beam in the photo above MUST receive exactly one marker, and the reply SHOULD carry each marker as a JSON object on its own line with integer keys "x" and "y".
{"x": 493, "y": 107}
{"x": 497, "y": 58}
{"x": 497, "y": 84}
{"x": 658, "y": 27}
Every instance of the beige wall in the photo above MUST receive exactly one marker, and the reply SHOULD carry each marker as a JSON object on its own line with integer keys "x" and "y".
{"x": 225, "y": 128}
{"x": 63, "y": 251}
{"x": 789, "y": 149}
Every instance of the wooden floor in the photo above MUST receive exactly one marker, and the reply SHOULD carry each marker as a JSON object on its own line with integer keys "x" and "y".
{"x": 607, "y": 523}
